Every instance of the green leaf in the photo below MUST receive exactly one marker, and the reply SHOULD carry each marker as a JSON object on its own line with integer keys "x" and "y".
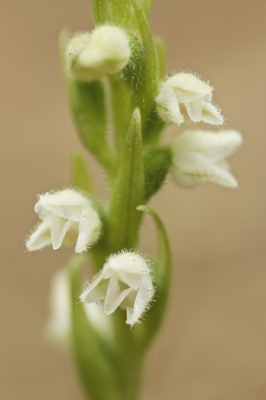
{"x": 162, "y": 279}
{"x": 87, "y": 102}
{"x": 91, "y": 354}
{"x": 81, "y": 178}
{"x": 156, "y": 163}
{"x": 128, "y": 190}
{"x": 101, "y": 13}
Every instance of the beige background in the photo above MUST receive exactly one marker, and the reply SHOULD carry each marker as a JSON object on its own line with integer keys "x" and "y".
{"x": 213, "y": 343}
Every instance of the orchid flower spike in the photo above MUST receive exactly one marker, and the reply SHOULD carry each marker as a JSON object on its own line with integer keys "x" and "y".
{"x": 183, "y": 97}
{"x": 68, "y": 218}
{"x": 124, "y": 281}
{"x": 198, "y": 157}
{"x": 105, "y": 50}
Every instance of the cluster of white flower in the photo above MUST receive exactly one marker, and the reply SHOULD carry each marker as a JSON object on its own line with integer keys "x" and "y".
{"x": 198, "y": 155}
{"x": 69, "y": 218}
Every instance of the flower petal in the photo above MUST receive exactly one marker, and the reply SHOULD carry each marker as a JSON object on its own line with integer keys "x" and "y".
{"x": 59, "y": 227}
{"x": 142, "y": 301}
{"x": 211, "y": 114}
{"x": 40, "y": 237}
{"x": 191, "y": 169}
{"x": 194, "y": 110}
{"x": 95, "y": 291}
{"x": 188, "y": 87}
{"x": 114, "y": 295}
{"x": 89, "y": 229}
{"x": 168, "y": 107}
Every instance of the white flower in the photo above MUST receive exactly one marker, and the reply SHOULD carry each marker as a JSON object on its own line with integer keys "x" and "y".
{"x": 58, "y": 327}
{"x": 124, "y": 281}
{"x": 105, "y": 50}
{"x": 184, "y": 96}
{"x": 198, "y": 157}
{"x": 68, "y": 218}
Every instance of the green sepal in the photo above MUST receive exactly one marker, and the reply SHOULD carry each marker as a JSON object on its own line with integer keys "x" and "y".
{"x": 101, "y": 13}
{"x": 91, "y": 353}
{"x": 128, "y": 191}
{"x": 145, "y": 84}
{"x": 162, "y": 272}
{"x": 81, "y": 178}
{"x": 121, "y": 109}
{"x": 156, "y": 163}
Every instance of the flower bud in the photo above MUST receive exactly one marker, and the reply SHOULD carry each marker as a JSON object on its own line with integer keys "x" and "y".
{"x": 198, "y": 157}
{"x": 68, "y": 218}
{"x": 185, "y": 97}
{"x": 105, "y": 50}
{"x": 124, "y": 282}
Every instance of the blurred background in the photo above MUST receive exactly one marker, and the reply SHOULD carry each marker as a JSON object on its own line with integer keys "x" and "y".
{"x": 213, "y": 343}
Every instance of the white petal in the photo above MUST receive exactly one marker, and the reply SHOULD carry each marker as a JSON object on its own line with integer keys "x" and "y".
{"x": 194, "y": 110}
{"x": 168, "y": 107}
{"x": 89, "y": 229}
{"x": 95, "y": 291}
{"x": 40, "y": 237}
{"x": 114, "y": 295}
{"x": 214, "y": 145}
{"x": 59, "y": 227}
{"x": 66, "y": 197}
{"x": 143, "y": 299}
{"x": 191, "y": 169}
{"x": 188, "y": 87}
{"x": 108, "y": 50}
{"x": 211, "y": 114}
{"x": 128, "y": 267}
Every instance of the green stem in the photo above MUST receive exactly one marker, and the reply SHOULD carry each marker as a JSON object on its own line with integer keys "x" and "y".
{"x": 129, "y": 358}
